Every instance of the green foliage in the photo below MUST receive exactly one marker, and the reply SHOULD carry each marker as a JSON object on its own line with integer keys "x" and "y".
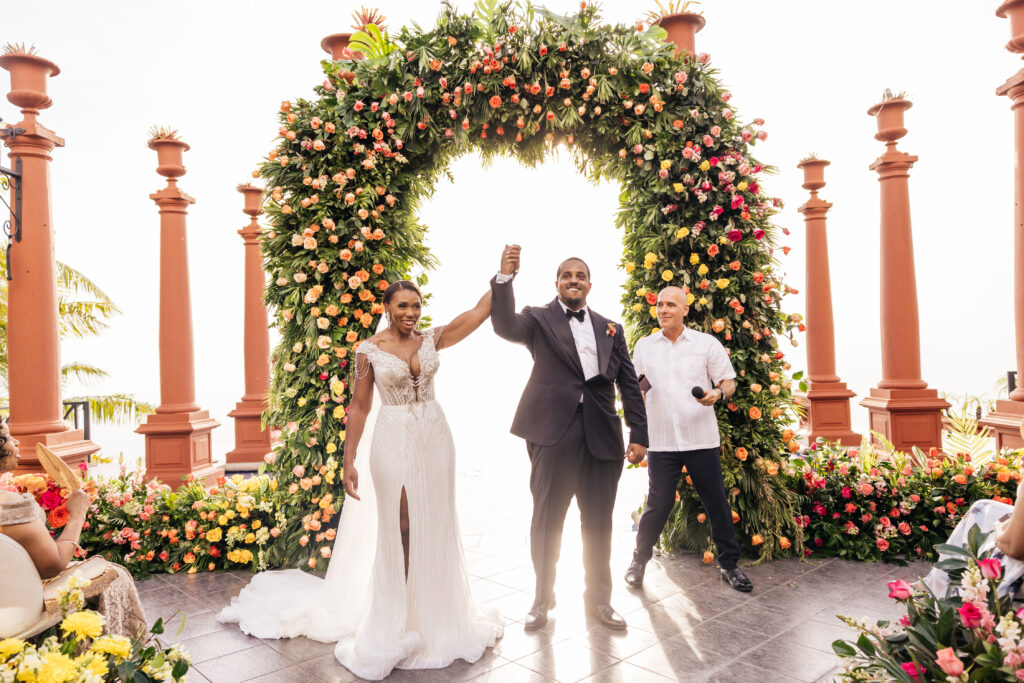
{"x": 353, "y": 163}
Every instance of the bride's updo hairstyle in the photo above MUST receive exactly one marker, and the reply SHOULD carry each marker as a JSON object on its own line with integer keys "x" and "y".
{"x": 8, "y": 449}
{"x": 398, "y": 286}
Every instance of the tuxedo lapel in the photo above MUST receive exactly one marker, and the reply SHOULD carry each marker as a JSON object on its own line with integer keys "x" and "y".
{"x": 604, "y": 341}
{"x": 560, "y": 327}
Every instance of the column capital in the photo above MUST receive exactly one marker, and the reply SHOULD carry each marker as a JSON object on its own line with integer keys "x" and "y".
{"x": 172, "y": 199}
{"x": 1013, "y": 88}
{"x": 815, "y": 207}
{"x": 893, "y": 163}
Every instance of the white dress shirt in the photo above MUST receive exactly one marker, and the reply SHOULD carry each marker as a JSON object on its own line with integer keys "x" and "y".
{"x": 675, "y": 420}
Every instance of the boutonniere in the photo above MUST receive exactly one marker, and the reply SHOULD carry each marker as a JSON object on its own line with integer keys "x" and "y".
{"x": 611, "y": 330}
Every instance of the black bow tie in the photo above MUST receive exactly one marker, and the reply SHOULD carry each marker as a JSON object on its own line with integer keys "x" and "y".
{"x": 579, "y": 315}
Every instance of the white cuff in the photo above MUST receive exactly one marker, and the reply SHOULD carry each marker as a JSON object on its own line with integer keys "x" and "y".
{"x": 502, "y": 278}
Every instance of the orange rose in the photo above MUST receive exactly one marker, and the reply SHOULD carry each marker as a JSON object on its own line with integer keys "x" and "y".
{"x": 735, "y": 517}
{"x": 718, "y": 325}
{"x": 709, "y": 557}
{"x": 787, "y": 435}
{"x": 345, "y": 255}
{"x": 755, "y": 413}
{"x": 378, "y": 268}
{"x": 382, "y": 285}
{"x": 362, "y": 275}
{"x": 741, "y": 453}
{"x": 756, "y": 539}
{"x": 677, "y": 496}
{"x": 701, "y": 517}
{"x": 351, "y": 336}
{"x": 58, "y": 516}
{"x": 960, "y": 479}
{"x": 784, "y": 542}
{"x": 793, "y": 446}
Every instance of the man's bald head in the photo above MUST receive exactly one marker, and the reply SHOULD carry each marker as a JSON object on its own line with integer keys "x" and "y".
{"x": 672, "y": 309}
{"x": 676, "y": 293}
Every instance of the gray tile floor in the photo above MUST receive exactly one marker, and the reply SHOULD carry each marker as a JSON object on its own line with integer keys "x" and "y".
{"x": 685, "y": 624}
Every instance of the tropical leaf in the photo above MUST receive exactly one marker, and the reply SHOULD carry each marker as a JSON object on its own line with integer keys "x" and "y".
{"x": 115, "y": 408}
{"x": 964, "y": 434}
{"x": 372, "y": 43}
{"x": 82, "y": 372}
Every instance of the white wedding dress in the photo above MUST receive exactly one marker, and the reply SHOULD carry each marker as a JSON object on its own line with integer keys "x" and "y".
{"x": 380, "y": 619}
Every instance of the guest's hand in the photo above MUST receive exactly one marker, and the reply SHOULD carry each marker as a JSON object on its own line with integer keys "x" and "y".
{"x": 351, "y": 479}
{"x": 510, "y": 259}
{"x": 636, "y": 453}
{"x": 78, "y": 503}
{"x": 711, "y": 397}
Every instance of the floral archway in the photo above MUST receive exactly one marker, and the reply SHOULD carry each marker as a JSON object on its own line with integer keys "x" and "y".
{"x": 352, "y": 164}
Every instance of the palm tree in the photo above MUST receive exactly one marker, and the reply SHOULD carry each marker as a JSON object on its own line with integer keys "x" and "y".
{"x": 82, "y": 311}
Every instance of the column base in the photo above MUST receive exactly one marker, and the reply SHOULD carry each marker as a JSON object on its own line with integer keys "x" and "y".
{"x": 828, "y": 413}
{"x": 70, "y": 445}
{"x": 252, "y": 442}
{"x": 178, "y": 445}
{"x": 1006, "y": 421}
{"x": 907, "y": 417}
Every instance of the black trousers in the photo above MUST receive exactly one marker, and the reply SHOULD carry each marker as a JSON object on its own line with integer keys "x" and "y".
{"x": 705, "y": 469}
{"x": 558, "y": 473}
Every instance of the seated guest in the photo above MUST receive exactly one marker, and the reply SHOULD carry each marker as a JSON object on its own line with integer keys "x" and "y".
{"x": 22, "y": 520}
{"x": 1006, "y": 524}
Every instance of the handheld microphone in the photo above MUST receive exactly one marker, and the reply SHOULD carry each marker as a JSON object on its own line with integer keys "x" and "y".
{"x": 697, "y": 392}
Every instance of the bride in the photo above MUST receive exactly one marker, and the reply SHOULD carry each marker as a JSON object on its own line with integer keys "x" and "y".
{"x": 396, "y": 594}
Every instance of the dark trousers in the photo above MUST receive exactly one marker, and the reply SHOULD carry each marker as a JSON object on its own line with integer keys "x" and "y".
{"x": 705, "y": 469}
{"x": 558, "y": 473}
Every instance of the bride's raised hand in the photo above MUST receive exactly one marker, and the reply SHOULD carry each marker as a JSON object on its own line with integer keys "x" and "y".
{"x": 351, "y": 479}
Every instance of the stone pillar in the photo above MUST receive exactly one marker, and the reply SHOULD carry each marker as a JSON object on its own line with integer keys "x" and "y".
{"x": 682, "y": 30}
{"x": 902, "y": 408}
{"x": 252, "y": 441}
{"x": 33, "y": 337}
{"x": 1008, "y": 417}
{"x": 178, "y": 433}
{"x": 827, "y": 400}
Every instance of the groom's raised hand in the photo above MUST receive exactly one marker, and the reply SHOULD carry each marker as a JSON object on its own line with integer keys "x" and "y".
{"x": 510, "y": 259}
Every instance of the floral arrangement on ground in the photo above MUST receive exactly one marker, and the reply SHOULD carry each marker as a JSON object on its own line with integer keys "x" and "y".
{"x": 969, "y": 634}
{"x": 77, "y": 650}
{"x": 353, "y": 162}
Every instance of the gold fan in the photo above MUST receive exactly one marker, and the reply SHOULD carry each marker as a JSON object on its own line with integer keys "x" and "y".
{"x": 58, "y": 470}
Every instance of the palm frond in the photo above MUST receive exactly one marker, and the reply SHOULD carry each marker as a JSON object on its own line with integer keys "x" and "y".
{"x": 83, "y": 318}
{"x": 115, "y": 408}
{"x": 965, "y": 435}
{"x": 71, "y": 280}
{"x": 82, "y": 372}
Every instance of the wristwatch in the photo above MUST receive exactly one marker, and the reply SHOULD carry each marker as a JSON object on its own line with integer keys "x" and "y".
{"x": 721, "y": 395}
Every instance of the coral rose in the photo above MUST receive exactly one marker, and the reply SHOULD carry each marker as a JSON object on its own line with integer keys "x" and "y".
{"x": 784, "y": 542}
{"x": 756, "y": 539}
{"x": 741, "y": 453}
{"x": 58, "y": 516}
{"x": 709, "y": 557}
{"x": 949, "y": 662}
{"x": 755, "y": 413}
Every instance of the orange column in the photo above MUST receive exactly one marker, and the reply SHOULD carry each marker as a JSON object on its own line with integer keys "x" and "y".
{"x": 178, "y": 434}
{"x": 252, "y": 441}
{"x": 33, "y": 338}
{"x": 1008, "y": 416}
{"x": 827, "y": 399}
{"x": 902, "y": 408}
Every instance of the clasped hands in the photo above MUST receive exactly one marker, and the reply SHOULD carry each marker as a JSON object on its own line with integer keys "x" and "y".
{"x": 510, "y": 259}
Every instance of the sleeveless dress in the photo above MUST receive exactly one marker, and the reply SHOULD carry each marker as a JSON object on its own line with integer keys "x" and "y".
{"x": 425, "y": 621}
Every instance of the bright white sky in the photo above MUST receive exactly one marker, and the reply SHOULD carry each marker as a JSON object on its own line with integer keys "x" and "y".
{"x": 217, "y": 71}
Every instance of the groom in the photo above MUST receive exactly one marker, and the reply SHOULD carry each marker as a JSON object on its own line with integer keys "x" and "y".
{"x": 573, "y": 433}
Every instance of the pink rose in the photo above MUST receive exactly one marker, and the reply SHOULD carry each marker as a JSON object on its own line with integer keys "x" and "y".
{"x": 687, "y": 152}
{"x": 50, "y": 500}
{"x": 913, "y": 671}
{"x": 899, "y": 589}
{"x": 716, "y": 131}
{"x": 846, "y": 492}
{"x": 707, "y": 140}
{"x": 970, "y": 616}
{"x": 663, "y": 173}
{"x": 948, "y": 662}
{"x": 299, "y": 471}
{"x": 883, "y": 545}
{"x": 866, "y": 488}
{"x": 991, "y": 569}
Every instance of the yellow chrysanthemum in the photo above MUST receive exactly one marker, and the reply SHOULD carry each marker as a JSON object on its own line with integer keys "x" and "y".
{"x": 667, "y": 275}
{"x": 10, "y": 647}
{"x": 214, "y": 534}
{"x": 682, "y": 232}
{"x": 56, "y": 667}
{"x": 94, "y": 663}
{"x": 650, "y": 256}
{"x": 694, "y": 259}
{"x": 703, "y": 270}
{"x": 722, "y": 282}
{"x": 85, "y": 624}
{"x": 115, "y": 646}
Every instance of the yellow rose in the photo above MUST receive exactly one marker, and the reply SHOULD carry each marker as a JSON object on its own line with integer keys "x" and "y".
{"x": 273, "y": 484}
{"x": 339, "y": 412}
{"x": 638, "y": 307}
{"x": 682, "y": 232}
{"x": 667, "y": 275}
{"x": 705, "y": 165}
{"x": 214, "y": 534}
{"x": 653, "y": 311}
{"x": 678, "y": 187}
{"x": 222, "y": 520}
{"x": 666, "y": 164}
{"x": 703, "y": 269}
{"x": 690, "y": 298}
{"x": 650, "y": 256}
{"x": 642, "y": 291}
{"x": 703, "y": 301}
{"x": 630, "y": 266}
{"x": 256, "y": 524}
{"x": 301, "y": 402}
{"x": 250, "y": 538}
{"x": 694, "y": 259}
{"x": 331, "y": 447}
{"x": 84, "y": 624}
{"x": 742, "y": 185}
{"x": 722, "y": 282}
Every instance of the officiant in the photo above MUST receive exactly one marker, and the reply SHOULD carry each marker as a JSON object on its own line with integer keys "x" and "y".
{"x": 684, "y": 373}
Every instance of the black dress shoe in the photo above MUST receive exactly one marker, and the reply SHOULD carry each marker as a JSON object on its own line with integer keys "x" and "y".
{"x": 737, "y": 579}
{"x": 635, "y": 573}
{"x": 607, "y": 616}
{"x": 538, "y": 615}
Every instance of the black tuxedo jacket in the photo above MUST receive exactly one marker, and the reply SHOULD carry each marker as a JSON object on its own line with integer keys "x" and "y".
{"x": 552, "y": 394}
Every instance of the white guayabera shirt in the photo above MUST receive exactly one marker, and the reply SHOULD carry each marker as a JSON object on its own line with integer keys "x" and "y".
{"x": 675, "y": 420}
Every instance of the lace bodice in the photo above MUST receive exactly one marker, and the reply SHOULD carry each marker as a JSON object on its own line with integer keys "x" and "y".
{"x": 392, "y": 375}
